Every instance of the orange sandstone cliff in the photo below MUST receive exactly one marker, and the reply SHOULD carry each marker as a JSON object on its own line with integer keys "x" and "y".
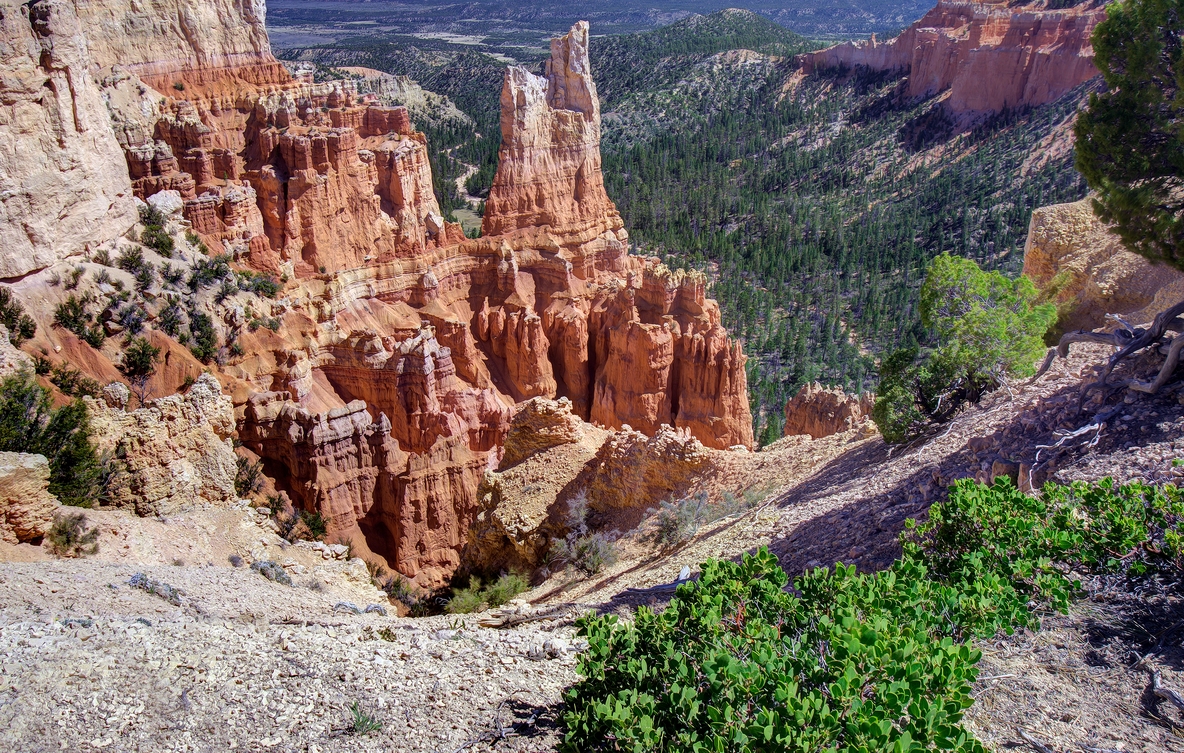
{"x": 988, "y": 55}
{"x": 402, "y": 349}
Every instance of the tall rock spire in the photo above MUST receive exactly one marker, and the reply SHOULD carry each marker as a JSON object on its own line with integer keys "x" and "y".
{"x": 549, "y": 164}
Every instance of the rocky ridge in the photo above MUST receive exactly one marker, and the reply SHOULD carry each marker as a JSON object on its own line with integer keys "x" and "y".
{"x": 982, "y": 57}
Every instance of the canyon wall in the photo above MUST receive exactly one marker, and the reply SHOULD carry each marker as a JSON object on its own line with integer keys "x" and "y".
{"x": 987, "y": 55}
{"x": 61, "y": 189}
{"x": 206, "y": 46}
{"x": 385, "y": 390}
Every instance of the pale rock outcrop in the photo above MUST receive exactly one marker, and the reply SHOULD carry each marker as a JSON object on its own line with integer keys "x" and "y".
{"x": 1080, "y": 265}
{"x": 60, "y": 187}
{"x": 546, "y": 450}
{"x": 988, "y": 54}
{"x": 175, "y": 452}
{"x": 822, "y": 411}
{"x": 12, "y": 359}
{"x": 26, "y": 506}
{"x": 632, "y": 470}
{"x": 167, "y": 202}
{"x": 206, "y": 46}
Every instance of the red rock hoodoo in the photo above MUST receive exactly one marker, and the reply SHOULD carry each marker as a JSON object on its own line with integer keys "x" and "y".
{"x": 387, "y": 389}
{"x": 989, "y": 55}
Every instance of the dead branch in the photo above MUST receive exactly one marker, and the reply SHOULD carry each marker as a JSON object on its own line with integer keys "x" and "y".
{"x": 1165, "y": 372}
{"x": 1146, "y": 337}
{"x": 1128, "y": 340}
{"x": 1033, "y": 743}
{"x": 1165, "y": 693}
{"x": 506, "y": 618}
{"x": 497, "y": 731}
{"x": 1065, "y": 436}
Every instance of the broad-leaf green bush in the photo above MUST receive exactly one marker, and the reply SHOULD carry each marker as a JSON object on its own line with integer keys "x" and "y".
{"x": 858, "y": 662}
{"x": 985, "y": 326}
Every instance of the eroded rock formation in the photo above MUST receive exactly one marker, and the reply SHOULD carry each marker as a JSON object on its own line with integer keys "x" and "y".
{"x": 173, "y": 453}
{"x": 822, "y": 411}
{"x": 549, "y": 163}
{"x": 1081, "y": 266}
{"x": 989, "y": 55}
{"x": 385, "y": 390}
{"x": 27, "y": 508}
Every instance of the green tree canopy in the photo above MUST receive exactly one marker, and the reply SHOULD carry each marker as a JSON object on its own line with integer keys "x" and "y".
{"x": 985, "y": 327}
{"x": 1130, "y": 139}
{"x": 28, "y": 423}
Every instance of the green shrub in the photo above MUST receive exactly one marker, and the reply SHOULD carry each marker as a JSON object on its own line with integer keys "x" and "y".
{"x": 73, "y": 382}
{"x": 170, "y": 319}
{"x": 131, "y": 318}
{"x": 72, "y": 316}
{"x": 466, "y": 600}
{"x": 145, "y": 277}
{"x": 28, "y": 423}
{"x": 205, "y": 339}
{"x": 985, "y": 327}
{"x": 20, "y": 325}
{"x": 139, "y": 359}
{"x": 505, "y": 588}
{"x": 850, "y": 661}
{"x": 315, "y": 523}
{"x": 261, "y": 284}
{"x": 157, "y": 588}
{"x": 155, "y": 236}
{"x": 590, "y": 553}
{"x": 226, "y": 290}
{"x": 248, "y": 476}
{"x": 131, "y": 259}
{"x": 75, "y": 277}
{"x": 172, "y": 275}
{"x": 206, "y": 272}
{"x": 362, "y": 723}
{"x": 475, "y": 597}
{"x": 70, "y": 537}
{"x": 582, "y": 549}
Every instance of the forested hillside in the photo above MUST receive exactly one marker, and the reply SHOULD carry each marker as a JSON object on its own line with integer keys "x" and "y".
{"x": 813, "y": 203}
{"x": 815, "y": 214}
